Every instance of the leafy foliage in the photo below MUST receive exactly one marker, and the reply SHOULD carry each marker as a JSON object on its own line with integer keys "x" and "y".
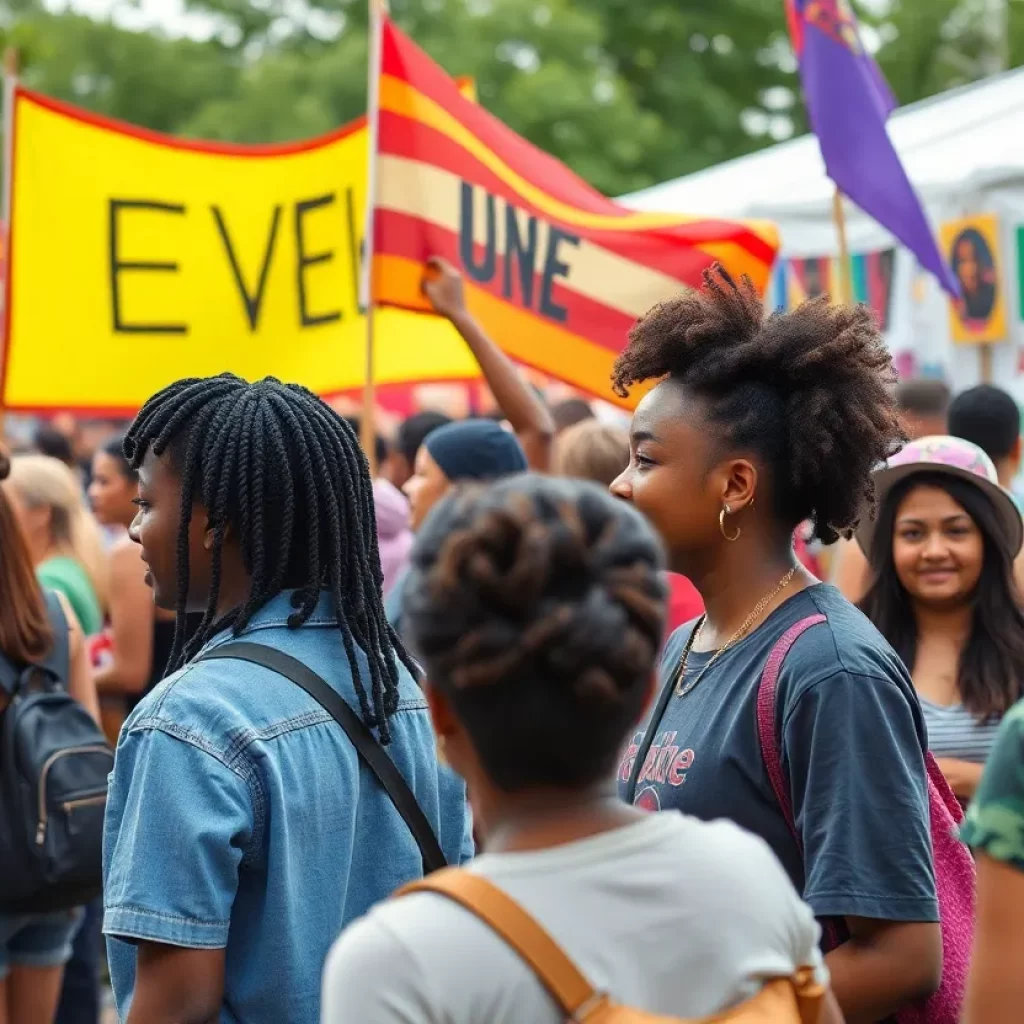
{"x": 628, "y": 94}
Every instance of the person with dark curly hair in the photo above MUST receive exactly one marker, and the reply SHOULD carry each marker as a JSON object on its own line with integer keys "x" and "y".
{"x": 243, "y": 829}
{"x": 536, "y": 606}
{"x": 758, "y": 424}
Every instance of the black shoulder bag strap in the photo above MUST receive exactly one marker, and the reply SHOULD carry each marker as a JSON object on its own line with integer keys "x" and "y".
{"x": 648, "y": 740}
{"x": 367, "y": 746}
{"x": 652, "y": 730}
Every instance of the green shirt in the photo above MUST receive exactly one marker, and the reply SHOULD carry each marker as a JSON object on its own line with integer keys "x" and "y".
{"x": 995, "y": 819}
{"x": 68, "y": 577}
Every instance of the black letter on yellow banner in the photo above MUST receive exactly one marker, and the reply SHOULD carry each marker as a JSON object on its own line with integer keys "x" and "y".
{"x": 251, "y": 303}
{"x": 303, "y": 261}
{"x": 117, "y": 265}
{"x": 554, "y": 267}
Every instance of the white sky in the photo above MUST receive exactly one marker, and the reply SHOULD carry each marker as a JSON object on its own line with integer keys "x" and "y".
{"x": 168, "y": 15}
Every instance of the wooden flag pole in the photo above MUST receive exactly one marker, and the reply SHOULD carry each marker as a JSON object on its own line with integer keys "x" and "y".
{"x": 368, "y": 426}
{"x": 985, "y": 362}
{"x": 845, "y": 278}
{"x": 9, "y": 82}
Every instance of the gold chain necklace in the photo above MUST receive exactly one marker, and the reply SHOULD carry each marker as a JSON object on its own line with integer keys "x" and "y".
{"x": 682, "y": 691}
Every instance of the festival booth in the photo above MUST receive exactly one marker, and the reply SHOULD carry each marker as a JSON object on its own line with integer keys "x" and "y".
{"x": 964, "y": 152}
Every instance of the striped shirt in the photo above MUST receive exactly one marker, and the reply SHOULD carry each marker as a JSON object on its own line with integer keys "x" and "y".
{"x": 955, "y": 732}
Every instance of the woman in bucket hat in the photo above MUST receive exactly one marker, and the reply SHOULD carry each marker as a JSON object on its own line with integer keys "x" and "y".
{"x": 942, "y": 592}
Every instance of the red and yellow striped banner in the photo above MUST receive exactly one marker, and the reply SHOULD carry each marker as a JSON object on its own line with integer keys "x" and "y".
{"x": 555, "y": 272}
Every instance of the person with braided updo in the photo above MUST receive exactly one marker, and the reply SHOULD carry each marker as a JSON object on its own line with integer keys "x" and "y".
{"x": 756, "y": 425}
{"x": 243, "y": 831}
{"x": 536, "y": 606}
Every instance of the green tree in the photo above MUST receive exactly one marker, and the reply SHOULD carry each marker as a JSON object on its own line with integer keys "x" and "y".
{"x": 145, "y": 78}
{"x": 929, "y": 46}
{"x": 718, "y": 76}
{"x": 544, "y": 70}
{"x": 627, "y": 93}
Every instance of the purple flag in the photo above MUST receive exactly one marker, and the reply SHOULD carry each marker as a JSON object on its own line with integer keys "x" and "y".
{"x": 848, "y": 101}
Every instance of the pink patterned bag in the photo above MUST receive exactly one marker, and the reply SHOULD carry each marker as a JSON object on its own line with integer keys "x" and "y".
{"x": 954, "y": 866}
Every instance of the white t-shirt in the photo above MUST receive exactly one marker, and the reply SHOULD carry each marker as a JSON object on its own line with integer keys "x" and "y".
{"x": 670, "y": 915}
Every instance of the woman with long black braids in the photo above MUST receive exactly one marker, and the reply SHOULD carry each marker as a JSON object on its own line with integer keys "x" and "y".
{"x": 243, "y": 832}
{"x": 757, "y": 425}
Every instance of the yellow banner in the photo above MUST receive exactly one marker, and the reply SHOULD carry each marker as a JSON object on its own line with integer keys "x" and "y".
{"x": 136, "y": 259}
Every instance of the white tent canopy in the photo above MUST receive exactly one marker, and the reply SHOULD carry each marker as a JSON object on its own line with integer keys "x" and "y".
{"x": 964, "y": 152}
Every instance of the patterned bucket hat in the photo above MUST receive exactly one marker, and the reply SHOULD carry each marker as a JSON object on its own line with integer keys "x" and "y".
{"x": 950, "y": 456}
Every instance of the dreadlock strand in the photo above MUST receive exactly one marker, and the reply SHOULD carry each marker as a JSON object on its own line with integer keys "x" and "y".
{"x": 280, "y": 452}
{"x": 335, "y": 576}
{"x": 311, "y": 592}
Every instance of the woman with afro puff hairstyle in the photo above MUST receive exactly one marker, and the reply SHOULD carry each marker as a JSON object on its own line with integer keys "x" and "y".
{"x": 755, "y": 425}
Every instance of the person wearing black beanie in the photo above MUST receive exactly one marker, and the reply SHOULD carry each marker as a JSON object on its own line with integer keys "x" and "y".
{"x": 475, "y": 449}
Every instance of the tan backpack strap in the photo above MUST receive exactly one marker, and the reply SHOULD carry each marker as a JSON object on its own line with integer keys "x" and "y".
{"x": 573, "y": 993}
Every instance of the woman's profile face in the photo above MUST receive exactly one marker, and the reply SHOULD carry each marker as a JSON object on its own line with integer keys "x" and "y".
{"x": 667, "y": 479}
{"x": 425, "y": 488}
{"x": 937, "y": 548}
{"x": 111, "y": 493}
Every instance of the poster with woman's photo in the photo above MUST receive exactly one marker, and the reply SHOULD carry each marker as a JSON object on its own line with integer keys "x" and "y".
{"x": 971, "y": 245}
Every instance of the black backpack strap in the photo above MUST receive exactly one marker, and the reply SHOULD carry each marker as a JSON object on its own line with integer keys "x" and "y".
{"x": 59, "y": 658}
{"x": 55, "y": 667}
{"x": 367, "y": 746}
{"x": 648, "y": 740}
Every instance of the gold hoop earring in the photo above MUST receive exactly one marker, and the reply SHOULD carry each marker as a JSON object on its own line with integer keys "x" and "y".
{"x": 726, "y": 511}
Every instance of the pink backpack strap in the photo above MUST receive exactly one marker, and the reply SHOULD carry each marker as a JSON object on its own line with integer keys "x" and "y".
{"x": 770, "y": 752}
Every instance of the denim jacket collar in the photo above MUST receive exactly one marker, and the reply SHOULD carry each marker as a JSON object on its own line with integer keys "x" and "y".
{"x": 274, "y": 614}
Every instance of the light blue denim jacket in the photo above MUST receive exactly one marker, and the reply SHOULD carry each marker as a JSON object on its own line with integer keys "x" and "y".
{"x": 240, "y": 816}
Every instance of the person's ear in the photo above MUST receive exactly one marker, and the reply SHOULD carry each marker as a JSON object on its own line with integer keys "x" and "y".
{"x": 209, "y": 529}
{"x": 739, "y": 484}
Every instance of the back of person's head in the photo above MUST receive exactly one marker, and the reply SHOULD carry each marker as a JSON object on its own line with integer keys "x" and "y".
{"x": 591, "y": 450}
{"x": 414, "y": 431}
{"x": 285, "y": 474}
{"x": 25, "y": 632}
{"x": 988, "y": 417}
{"x": 806, "y": 393}
{"x": 537, "y": 607}
{"x": 475, "y": 449}
{"x": 569, "y": 412}
{"x": 42, "y": 482}
{"x": 924, "y": 404}
{"x": 51, "y": 442}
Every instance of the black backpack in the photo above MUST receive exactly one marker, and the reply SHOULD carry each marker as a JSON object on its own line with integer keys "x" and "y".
{"x": 54, "y": 763}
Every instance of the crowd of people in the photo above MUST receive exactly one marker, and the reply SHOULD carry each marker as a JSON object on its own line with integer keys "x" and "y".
{"x": 388, "y": 746}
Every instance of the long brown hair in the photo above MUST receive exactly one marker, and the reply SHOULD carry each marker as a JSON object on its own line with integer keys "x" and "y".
{"x": 44, "y": 482}
{"x": 25, "y": 632}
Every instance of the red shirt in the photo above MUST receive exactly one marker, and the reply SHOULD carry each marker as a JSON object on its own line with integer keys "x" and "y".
{"x": 684, "y": 603}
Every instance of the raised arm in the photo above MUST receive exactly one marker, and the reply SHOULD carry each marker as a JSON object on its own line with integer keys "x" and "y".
{"x": 522, "y": 407}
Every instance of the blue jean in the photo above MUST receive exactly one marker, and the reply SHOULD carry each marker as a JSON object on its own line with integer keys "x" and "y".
{"x": 80, "y": 997}
{"x": 36, "y": 940}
